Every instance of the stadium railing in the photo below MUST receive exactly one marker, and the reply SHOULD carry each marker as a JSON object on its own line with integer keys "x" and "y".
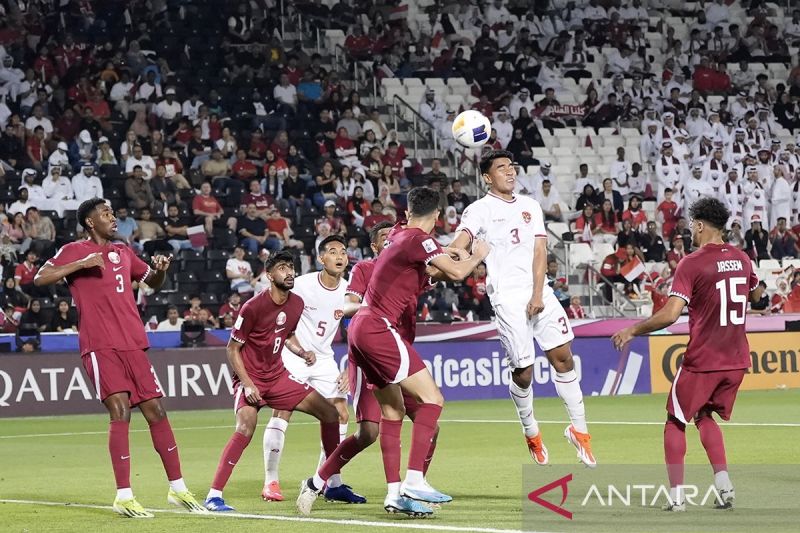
{"x": 401, "y": 110}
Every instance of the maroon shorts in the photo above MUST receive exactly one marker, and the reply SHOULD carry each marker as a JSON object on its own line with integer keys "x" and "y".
{"x": 283, "y": 392}
{"x": 380, "y": 352}
{"x": 112, "y": 371}
{"x": 693, "y": 392}
{"x": 365, "y": 404}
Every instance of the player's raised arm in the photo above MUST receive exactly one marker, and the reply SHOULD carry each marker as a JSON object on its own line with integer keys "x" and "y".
{"x": 458, "y": 270}
{"x": 158, "y": 272}
{"x": 666, "y": 316}
{"x": 50, "y": 273}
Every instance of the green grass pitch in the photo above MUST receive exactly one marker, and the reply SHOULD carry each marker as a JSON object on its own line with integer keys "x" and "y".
{"x": 479, "y": 461}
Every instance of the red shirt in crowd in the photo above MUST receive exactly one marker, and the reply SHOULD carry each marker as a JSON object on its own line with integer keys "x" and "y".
{"x": 244, "y": 170}
{"x": 261, "y": 201}
{"x": 669, "y": 212}
{"x": 206, "y": 204}
{"x": 277, "y": 225}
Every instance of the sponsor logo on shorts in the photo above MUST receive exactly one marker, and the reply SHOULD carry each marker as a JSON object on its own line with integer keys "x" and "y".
{"x": 114, "y": 257}
{"x": 338, "y": 314}
{"x": 526, "y": 217}
{"x": 281, "y": 320}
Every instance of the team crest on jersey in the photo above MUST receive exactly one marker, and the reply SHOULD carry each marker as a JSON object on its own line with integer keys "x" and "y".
{"x": 281, "y": 320}
{"x": 338, "y": 314}
{"x": 526, "y": 217}
{"x": 114, "y": 257}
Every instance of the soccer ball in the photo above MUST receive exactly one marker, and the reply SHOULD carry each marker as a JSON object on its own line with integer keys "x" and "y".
{"x": 471, "y": 129}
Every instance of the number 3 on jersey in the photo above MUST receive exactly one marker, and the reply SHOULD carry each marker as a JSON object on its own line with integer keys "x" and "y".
{"x": 728, "y": 291}
{"x": 120, "y": 283}
{"x": 515, "y": 236}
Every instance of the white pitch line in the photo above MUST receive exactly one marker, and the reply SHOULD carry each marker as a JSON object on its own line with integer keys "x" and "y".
{"x": 427, "y": 526}
{"x": 446, "y": 421}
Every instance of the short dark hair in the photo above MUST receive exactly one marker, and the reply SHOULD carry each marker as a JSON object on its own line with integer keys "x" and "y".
{"x": 86, "y": 208}
{"x": 490, "y": 156}
{"x": 667, "y": 190}
{"x": 423, "y": 201}
{"x": 376, "y": 229}
{"x": 171, "y": 307}
{"x": 279, "y": 257}
{"x": 710, "y": 211}
{"x": 329, "y": 239}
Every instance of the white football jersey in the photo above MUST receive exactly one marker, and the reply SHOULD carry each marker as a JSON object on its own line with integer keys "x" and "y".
{"x": 511, "y": 228}
{"x": 322, "y": 312}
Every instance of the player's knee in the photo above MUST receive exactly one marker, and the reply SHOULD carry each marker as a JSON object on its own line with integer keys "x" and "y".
{"x": 367, "y": 434}
{"x": 522, "y": 377}
{"x": 344, "y": 416}
{"x": 245, "y": 428}
{"x": 118, "y": 408}
{"x": 435, "y": 398}
{"x": 329, "y": 414}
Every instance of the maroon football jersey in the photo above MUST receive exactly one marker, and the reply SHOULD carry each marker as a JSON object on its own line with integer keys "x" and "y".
{"x": 359, "y": 281}
{"x": 716, "y": 282}
{"x": 107, "y": 313}
{"x": 399, "y": 275}
{"x": 263, "y": 326}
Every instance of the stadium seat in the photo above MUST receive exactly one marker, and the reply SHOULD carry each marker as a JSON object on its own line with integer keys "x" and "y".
{"x": 600, "y": 250}
{"x": 580, "y": 254}
{"x": 769, "y": 264}
{"x": 187, "y": 282}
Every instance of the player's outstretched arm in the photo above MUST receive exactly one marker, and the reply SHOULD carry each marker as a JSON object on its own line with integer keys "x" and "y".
{"x": 458, "y": 254}
{"x": 237, "y": 365}
{"x": 49, "y": 273}
{"x": 158, "y": 273}
{"x": 663, "y": 318}
{"x": 458, "y": 270}
{"x": 461, "y": 241}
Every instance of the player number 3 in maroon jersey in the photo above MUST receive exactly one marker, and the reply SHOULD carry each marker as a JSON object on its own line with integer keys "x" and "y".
{"x": 113, "y": 343}
{"x": 714, "y": 282}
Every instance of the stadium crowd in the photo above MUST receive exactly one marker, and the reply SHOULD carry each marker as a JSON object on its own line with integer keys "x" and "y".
{"x": 219, "y": 140}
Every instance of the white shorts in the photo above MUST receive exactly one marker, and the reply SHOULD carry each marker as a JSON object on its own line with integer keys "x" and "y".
{"x": 322, "y": 375}
{"x": 550, "y": 328}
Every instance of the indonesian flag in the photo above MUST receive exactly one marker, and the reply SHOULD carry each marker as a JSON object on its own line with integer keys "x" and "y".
{"x": 632, "y": 269}
{"x": 197, "y": 236}
{"x": 399, "y": 12}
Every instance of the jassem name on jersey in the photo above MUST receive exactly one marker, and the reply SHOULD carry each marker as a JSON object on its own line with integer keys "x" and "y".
{"x": 730, "y": 265}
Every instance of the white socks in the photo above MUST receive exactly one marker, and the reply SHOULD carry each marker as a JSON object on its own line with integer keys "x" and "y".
{"x": 523, "y": 400}
{"x": 722, "y": 481}
{"x": 569, "y": 390}
{"x": 393, "y": 490}
{"x": 274, "y": 437}
{"x": 124, "y": 494}
{"x": 178, "y": 485}
{"x": 414, "y": 478}
{"x": 214, "y": 493}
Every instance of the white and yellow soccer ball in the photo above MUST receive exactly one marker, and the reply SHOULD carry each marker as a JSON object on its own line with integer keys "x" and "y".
{"x": 471, "y": 129}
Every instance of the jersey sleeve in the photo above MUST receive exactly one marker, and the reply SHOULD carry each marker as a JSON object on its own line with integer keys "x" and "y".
{"x": 139, "y": 269}
{"x": 423, "y": 249}
{"x": 471, "y": 221}
{"x": 683, "y": 281}
{"x": 357, "y": 285}
{"x": 65, "y": 255}
{"x": 244, "y": 324}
